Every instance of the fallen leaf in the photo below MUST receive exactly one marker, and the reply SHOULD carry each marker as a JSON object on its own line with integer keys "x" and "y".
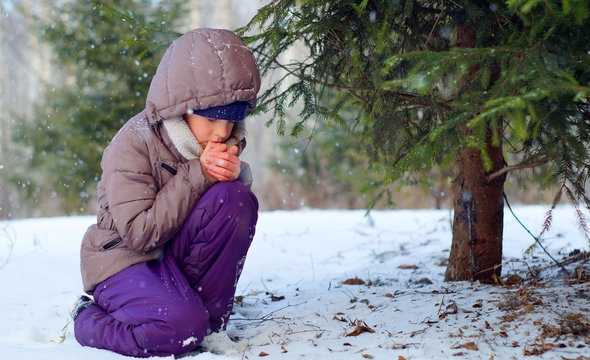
{"x": 497, "y": 280}
{"x": 339, "y": 319}
{"x": 276, "y": 298}
{"x": 239, "y": 299}
{"x": 487, "y": 325}
{"x": 450, "y": 309}
{"x": 367, "y": 356}
{"x": 424, "y": 281}
{"x": 347, "y": 344}
{"x": 529, "y": 308}
{"x": 401, "y": 358}
{"x": 389, "y": 295}
{"x": 514, "y": 279}
{"x": 469, "y": 346}
{"x": 353, "y": 281}
{"x": 262, "y": 353}
{"x": 540, "y": 350}
{"x": 404, "y": 267}
{"x": 284, "y": 350}
{"x": 361, "y": 327}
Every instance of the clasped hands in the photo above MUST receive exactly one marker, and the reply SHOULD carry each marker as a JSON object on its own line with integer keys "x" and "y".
{"x": 220, "y": 163}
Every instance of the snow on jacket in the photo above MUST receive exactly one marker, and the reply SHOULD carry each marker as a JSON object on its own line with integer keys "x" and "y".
{"x": 152, "y": 175}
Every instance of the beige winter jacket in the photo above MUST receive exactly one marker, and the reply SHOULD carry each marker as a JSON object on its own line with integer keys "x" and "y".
{"x": 152, "y": 175}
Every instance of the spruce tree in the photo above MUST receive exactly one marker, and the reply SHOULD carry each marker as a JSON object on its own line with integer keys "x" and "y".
{"x": 489, "y": 86}
{"x": 105, "y": 55}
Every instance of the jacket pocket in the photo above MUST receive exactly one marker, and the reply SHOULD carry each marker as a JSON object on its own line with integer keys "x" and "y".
{"x": 169, "y": 168}
{"x": 112, "y": 243}
{"x": 163, "y": 172}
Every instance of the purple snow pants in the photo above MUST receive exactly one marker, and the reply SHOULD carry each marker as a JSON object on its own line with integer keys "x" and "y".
{"x": 166, "y": 306}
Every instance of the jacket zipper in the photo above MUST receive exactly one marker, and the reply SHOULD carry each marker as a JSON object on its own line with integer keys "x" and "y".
{"x": 169, "y": 168}
{"x": 112, "y": 243}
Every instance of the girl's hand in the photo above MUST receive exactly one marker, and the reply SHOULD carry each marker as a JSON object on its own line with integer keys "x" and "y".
{"x": 221, "y": 163}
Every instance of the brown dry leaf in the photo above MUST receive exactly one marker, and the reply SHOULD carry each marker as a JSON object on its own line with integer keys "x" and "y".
{"x": 389, "y": 295}
{"x": 353, "y": 281}
{"x": 339, "y": 318}
{"x": 276, "y": 298}
{"x": 284, "y": 350}
{"x": 361, "y": 327}
{"x": 529, "y": 308}
{"x": 502, "y": 334}
{"x": 367, "y": 356}
{"x": 515, "y": 344}
{"x": 487, "y": 325}
{"x": 514, "y": 279}
{"x": 469, "y": 346}
{"x": 347, "y": 344}
{"x": 401, "y": 358}
{"x": 540, "y": 349}
{"x": 262, "y": 353}
{"x": 239, "y": 299}
{"x": 450, "y": 309}
{"x": 404, "y": 267}
{"x": 497, "y": 280}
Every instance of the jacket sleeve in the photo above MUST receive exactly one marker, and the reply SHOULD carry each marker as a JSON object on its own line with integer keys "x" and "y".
{"x": 246, "y": 174}
{"x": 144, "y": 216}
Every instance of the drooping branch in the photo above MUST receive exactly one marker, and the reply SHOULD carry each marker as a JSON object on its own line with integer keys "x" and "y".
{"x": 506, "y": 169}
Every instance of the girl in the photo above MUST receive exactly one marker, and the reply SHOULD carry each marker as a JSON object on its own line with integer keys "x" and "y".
{"x": 176, "y": 216}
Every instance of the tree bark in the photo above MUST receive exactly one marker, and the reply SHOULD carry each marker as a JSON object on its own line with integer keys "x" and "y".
{"x": 478, "y": 223}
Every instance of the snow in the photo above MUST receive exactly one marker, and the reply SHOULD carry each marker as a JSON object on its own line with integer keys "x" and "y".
{"x": 292, "y": 303}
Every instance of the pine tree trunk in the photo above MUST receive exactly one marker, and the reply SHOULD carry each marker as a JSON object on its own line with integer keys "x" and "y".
{"x": 478, "y": 223}
{"x": 476, "y": 252}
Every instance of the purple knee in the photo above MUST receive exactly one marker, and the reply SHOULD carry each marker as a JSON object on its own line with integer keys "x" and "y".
{"x": 233, "y": 195}
{"x": 181, "y": 330}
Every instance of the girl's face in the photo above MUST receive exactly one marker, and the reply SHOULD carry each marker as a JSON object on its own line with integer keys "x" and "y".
{"x": 205, "y": 129}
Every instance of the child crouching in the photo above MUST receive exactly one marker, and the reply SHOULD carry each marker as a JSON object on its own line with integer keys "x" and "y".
{"x": 176, "y": 215}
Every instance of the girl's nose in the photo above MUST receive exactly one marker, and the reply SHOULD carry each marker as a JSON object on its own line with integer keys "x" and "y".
{"x": 223, "y": 129}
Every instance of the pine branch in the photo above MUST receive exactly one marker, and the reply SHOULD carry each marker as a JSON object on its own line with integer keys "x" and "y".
{"x": 503, "y": 171}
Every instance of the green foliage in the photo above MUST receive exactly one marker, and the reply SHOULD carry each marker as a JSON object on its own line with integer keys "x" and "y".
{"x": 106, "y": 75}
{"x": 428, "y": 78}
{"x": 342, "y": 47}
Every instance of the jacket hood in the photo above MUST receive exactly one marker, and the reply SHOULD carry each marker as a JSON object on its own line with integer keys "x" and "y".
{"x": 201, "y": 69}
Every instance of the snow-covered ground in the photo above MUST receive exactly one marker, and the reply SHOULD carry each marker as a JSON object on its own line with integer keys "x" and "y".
{"x": 292, "y": 303}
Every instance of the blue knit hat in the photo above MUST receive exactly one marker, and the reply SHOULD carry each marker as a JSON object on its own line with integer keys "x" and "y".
{"x": 235, "y": 111}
